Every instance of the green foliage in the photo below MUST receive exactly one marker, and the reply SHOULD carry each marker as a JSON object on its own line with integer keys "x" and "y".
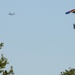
{"x": 1, "y": 45}
{"x": 3, "y": 63}
{"x": 71, "y": 71}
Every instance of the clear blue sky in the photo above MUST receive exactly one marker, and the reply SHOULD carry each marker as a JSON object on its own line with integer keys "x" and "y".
{"x": 39, "y": 39}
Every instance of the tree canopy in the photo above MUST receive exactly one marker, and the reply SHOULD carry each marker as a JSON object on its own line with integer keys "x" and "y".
{"x": 71, "y": 71}
{"x": 3, "y": 63}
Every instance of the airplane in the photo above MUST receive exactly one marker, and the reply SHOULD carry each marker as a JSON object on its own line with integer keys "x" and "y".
{"x": 11, "y": 14}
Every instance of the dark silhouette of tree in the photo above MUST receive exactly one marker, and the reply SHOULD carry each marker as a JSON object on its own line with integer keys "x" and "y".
{"x": 3, "y": 63}
{"x": 71, "y": 71}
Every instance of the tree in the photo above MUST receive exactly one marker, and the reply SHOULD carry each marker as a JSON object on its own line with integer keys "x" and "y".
{"x": 71, "y": 71}
{"x": 3, "y": 63}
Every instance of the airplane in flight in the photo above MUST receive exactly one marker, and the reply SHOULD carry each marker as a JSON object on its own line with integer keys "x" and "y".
{"x": 11, "y": 14}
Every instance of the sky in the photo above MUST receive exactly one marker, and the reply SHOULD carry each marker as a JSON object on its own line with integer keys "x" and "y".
{"x": 39, "y": 39}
